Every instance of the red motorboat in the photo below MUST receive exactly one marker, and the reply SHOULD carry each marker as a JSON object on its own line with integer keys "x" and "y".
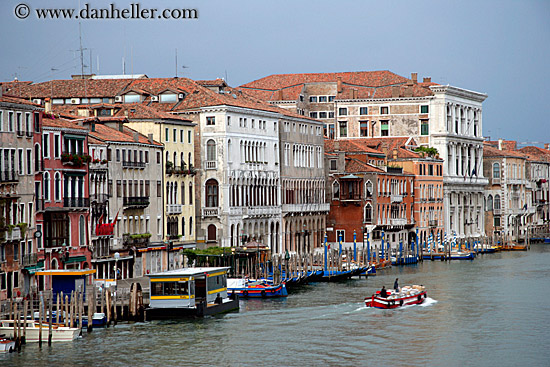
{"x": 408, "y": 295}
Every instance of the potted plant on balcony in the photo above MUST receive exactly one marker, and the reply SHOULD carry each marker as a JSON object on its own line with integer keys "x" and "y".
{"x": 23, "y": 227}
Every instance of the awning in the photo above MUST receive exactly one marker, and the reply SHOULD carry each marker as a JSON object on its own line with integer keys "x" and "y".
{"x": 75, "y": 259}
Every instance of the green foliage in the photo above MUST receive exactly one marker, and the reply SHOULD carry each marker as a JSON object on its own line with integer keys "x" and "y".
{"x": 196, "y": 254}
{"x": 430, "y": 152}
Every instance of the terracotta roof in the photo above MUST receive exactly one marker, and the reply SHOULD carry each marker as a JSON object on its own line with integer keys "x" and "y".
{"x": 506, "y": 144}
{"x": 218, "y": 82}
{"x": 491, "y": 151}
{"x": 354, "y": 166}
{"x": 62, "y": 123}
{"x": 17, "y": 100}
{"x": 106, "y": 133}
{"x": 368, "y": 84}
{"x": 67, "y": 88}
{"x": 385, "y": 145}
{"x": 349, "y": 146}
{"x": 142, "y": 111}
{"x": 536, "y": 154}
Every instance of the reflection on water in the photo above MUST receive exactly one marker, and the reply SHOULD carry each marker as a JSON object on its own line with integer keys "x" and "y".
{"x": 476, "y": 314}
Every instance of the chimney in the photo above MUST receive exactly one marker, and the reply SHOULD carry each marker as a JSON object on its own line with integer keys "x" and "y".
{"x": 136, "y": 136}
{"x": 395, "y": 90}
{"x": 150, "y": 138}
{"x": 499, "y": 144}
{"x": 48, "y": 105}
{"x": 547, "y": 146}
{"x": 354, "y": 93}
{"x": 280, "y": 95}
{"x": 339, "y": 85}
{"x": 414, "y": 77}
{"x": 427, "y": 80}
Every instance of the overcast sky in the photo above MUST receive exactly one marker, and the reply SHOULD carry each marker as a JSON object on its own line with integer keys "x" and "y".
{"x": 501, "y": 48}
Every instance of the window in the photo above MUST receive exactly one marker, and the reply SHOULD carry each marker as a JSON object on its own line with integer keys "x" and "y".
{"x": 424, "y": 109}
{"x": 363, "y": 110}
{"x": 490, "y": 203}
{"x": 159, "y": 189}
{"x": 189, "y": 136}
{"x": 190, "y": 193}
{"x": 313, "y": 115}
{"x": 211, "y": 150}
{"x": 368, "y": 213}
{"x": 211, "y": 193}
{"x": 384, "y": 128}
{"x": 168, "y": 98}
{"x": 331, "y": 114}
{"x": 331, "y": 98}
{"x": 497, "y": 202}
{"x": 211, "y": 120}
{"x": 497, "y": 221}
{"x": 368, "y": 189}
{"x": 335, "y": 190}
{"x": 322, "y": 115}
{"x": 46, "y": 145}
{"x": 313, "y": 99}
{"x": 322, "y": 99}
{"x": 384, "y": 110}
{"x": 36, "y": 122}
{"x": 343, "y": 128}
{"x": 228, "y": 120}
{"x": 81, "y": 231}
{"x": 29, "y": 161}
{"x": 10, "y": 121}
{"x": 166, "y": 134}
{"x": 364, "y": 128}
{"x": 333, "y": 164}
{"x": 342, "y": 111}
{"x": 496, "y": 170}
{"x": 175, "y": 136}
{"x": 132, "y": 98}
{"x": 46, "y": 186}
{"x": 424, "y": 127}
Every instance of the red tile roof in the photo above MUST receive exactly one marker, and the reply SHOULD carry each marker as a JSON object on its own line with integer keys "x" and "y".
{"x": 106, "y": 133}
{"x": 368, "y": 84}
{"x": 506, "y": 144}
{"x": 536, "y": 154}
{"x": 356, "y": 166}
{"x": 17, "y": 100}
{"x": 491, "y": 151}
{"x": 61, "y": 123}
{"x": 68, "y": 88}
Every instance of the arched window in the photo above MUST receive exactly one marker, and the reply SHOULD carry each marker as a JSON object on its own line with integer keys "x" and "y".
{"x": 211, "y": 150}
{"x": 211, "y": 232}
{"x": 490, "y": 203}
{"x": 190, "y": 226}
{"x": 189, "y": 161}
{"x": 182, "y": 193}
{"x": 190, "y": 193}
{"x": 211, "y": 193}
{"x": 229, "y": 150}
{"x": 183, "y": 226}
{"x": 368, "y": 213}
{"x": 81, "y": 231}
{"x": 55, "y": 264}
{"x": 497, "y": 202}
{"x": 496, "y": 170}
{"x": 57, "y": 186}
{"x": 368, "y": 189}
{"x": 47, "y": 186}
{"x": 182, "y": 158}
{"x": 335, "y": 190}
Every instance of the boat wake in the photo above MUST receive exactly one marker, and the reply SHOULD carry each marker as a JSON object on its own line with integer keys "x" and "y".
{"x": 428, "y": 302}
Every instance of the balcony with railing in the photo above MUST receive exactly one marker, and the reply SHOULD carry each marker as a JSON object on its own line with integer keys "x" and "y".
{"x": 180, "y": 170}
{"x": 210, "y": 212}
{"x": 29, "y": 133}
{"x": 132, "y": 164}
{"x": 20, "y": 132}
{"x": 12, "y": 235}
{"x": 497, "y": 211}
{"x": 262, "y": 211}
{"x": 29, "y": 259}
{"x": 211, "y": 164}
{"x": 136, "y": 201}
{"x": 495, "y": 181}
{"x": 173, "y": 209}
{"x": 8, "y": 176}
{"x": 398, "y": 221}
{"x": 76, "y": 202}
{"x": 305, "y": 208}
{"x": 395, "y": 198}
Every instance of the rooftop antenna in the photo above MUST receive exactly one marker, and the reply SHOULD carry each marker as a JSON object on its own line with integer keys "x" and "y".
{"x": 52, "y": 69}
{"x": 81, "y": 51}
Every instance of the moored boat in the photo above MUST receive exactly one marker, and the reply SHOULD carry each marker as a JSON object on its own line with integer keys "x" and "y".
{"x": 407, "y": 295}
{"x": 59, "y": 333}
{"x": 6, "y": 345}
{"x": 255, "y": 289}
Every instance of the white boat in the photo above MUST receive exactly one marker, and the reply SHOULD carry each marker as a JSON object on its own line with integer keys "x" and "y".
{"x": 59, "y": 333}
{"x": 6, "y": 345}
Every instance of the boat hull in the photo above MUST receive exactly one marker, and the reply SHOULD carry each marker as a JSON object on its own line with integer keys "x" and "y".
{"x": 32, "y": 333}
{"x": 7, "y": 346}
{"x": 260, "y": 291}
{"x": 389, "y": 303}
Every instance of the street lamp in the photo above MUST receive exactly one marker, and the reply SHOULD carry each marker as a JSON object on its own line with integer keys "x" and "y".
{"x": 117, "y": 257}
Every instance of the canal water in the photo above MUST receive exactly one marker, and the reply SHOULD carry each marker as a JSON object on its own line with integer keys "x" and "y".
{"x": 493, "y": 311}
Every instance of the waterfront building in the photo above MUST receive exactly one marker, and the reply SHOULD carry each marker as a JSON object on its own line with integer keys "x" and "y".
{"x": 538, "y": 175}
{"x": 63, "y": 212}
{"x": 382, "y": 103}
{"x": 507, "y": 197}
{"x": 367, "y": 196}
{"x": 128, "y": 190}
{"x": 20, "y": 133}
